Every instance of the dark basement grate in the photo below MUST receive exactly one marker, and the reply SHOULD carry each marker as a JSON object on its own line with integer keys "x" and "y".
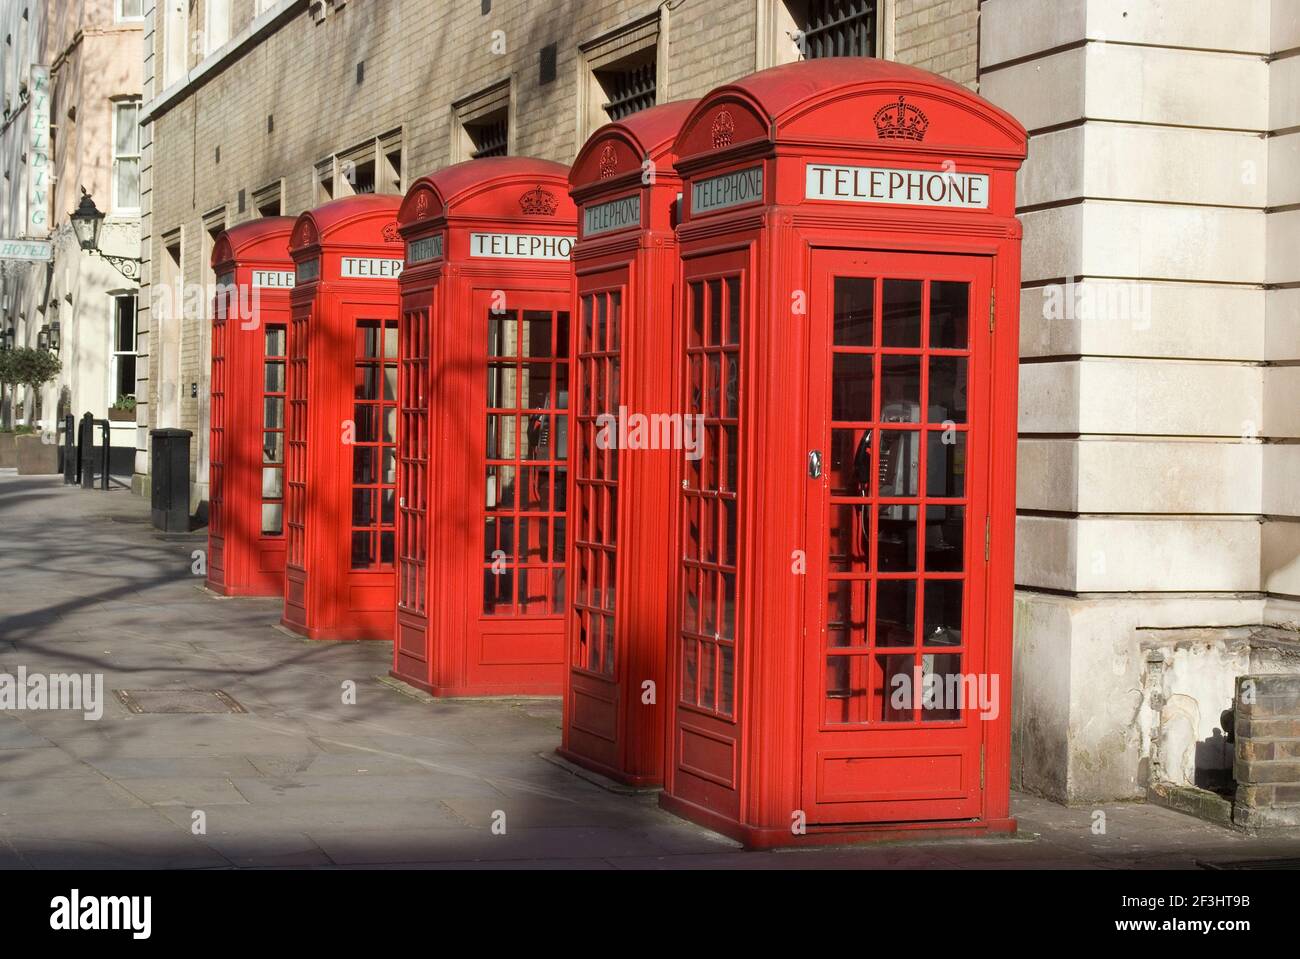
{"x": 178, "y": 701}
{"x": 1251, "y": 864}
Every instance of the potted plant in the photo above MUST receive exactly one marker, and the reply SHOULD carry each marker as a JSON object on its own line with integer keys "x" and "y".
{"x": 123, "y": 410}
{"x": 33, "y": 368}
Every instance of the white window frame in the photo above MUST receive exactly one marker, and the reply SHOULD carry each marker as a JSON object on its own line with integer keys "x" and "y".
{"x": 208, "y": 9}
{"x": 120, "y": 17}
{"x": 649, "y": 32}
{"x": 115, "y": 205}
{"x": 116, "y": 354}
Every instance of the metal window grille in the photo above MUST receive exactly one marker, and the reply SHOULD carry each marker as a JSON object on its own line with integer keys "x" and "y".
{"x": 840, "y": 28}
{"x": 490, "y": 139}
{"x": 630, "y": 91}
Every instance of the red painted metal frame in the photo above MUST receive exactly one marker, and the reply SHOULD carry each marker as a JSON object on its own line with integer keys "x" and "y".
{"x": 452, "y": 294}
{"x": 325, "y": 597}
{"x": 746, "y": 772}
{"x": 244, "y": 559}
{"x": 613, "y": 722}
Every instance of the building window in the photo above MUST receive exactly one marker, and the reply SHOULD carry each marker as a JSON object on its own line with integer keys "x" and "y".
{"x": 175, "y": 42}
{"x": 371, "y": 167}
{"x": 129, "y": 10}
{"x": 269, "y": 200}
{"x": 126, "y": 155}
{"x": 216, "y": 25}
{"x": 790, "y": 30}
{"x": 123, "y": 372}
{"x": 481, "y": 125}
{"x": 622, "y": 72}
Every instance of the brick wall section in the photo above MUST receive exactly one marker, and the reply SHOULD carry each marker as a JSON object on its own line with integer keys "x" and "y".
{"x": 941, "y": 36}
{"x": 1267, "y": 766}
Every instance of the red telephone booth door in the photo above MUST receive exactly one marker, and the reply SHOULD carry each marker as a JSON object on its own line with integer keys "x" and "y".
{"x": 521, "y": 565}
{"x": 895, "y": 642}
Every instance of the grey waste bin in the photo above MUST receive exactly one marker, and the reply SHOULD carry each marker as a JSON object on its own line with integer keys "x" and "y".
{"x": 170, "y": 496}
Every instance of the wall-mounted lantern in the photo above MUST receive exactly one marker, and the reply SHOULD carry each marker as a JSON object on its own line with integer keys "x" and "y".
{"x": 87, "y": 221}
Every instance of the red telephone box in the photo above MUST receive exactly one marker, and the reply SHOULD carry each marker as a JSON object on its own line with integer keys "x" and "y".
{"x": 625, "y": 377}
{"x": 484, "y": 429}
{"x": 342, "y": 420}
{"x": 842, "y": 647}
{"x": 250, "y": 323}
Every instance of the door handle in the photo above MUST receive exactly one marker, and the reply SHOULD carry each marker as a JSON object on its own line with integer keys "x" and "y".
{"x": 815, "y": 464}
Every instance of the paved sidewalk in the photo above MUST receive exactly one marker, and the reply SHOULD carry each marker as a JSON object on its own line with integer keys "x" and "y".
{"x": 300, "y": 779}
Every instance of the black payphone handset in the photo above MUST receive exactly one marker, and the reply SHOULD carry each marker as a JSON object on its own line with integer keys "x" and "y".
{"x": 892, "y": 467}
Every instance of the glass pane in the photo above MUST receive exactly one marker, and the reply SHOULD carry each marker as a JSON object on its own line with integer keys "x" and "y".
{"x": 715, "y": 312}
{"x": 363, "y": 552}
{"x": 900, "y": 389}
{"x": 697, "y": 315}
{"x": 854, "y": 310}
{"x": 731, "y": 387}
{"x": 708, "y": 676}
{"x": 733, "y": 310}
{"x": 274, "y": 377}
{"x": 537, "y": 333}
{"x": 501, "y": 440}
{"x": 538, "y": 385}
{"x": 949, "y": 312}
{"x": 275, "y": 341}
{"x": 849, "y": 471}
{"x": 366, "y": 386}
{"x": 501, "y": 386}
{"x": 586, "y": 345}
{"x": 601, "y": 335}
{"x": 947, "y": 389}
{"x": 726, "y": 679}
{"x": 273, "y": 417}
{"x": 896, "y": 544}
{"x": 272, "y": 447}
{"x": 900, "y": 462}
{"x": 498, "y": 592}
{"x": 729, "y": 532}
{"x": 390, "y": 341}
{"x": 944, "y": 696}
{"x": 390, "y": 465}
{"x": 390, "y": 425}
{"x": 846, "y": 689}
{"x": 365, "y": 465}
{"x": 901, "y": 313}
{"x": 386, "y": 548}
{"x": 363, "y": 507}
{"x": 945, "y": 466}
{"x": 500, "y": 487}
{"x": 562, "y": 333}
{"x": 366, "y": 419}
{"x": 272, "y": 482}
{"x": 895, "y": 612}
{"x": 388, "y": 501}
{"x": 690, "y": 655}
{"x": 945, "y": 538}
{"x": 273, "y": 518}
{"x": 848, "y": 545}
{"x": 390, "y": 382}
{"x": 503, "y": 334}
{"x": 846, "y": 612}
{"x": 851, "y": 387}
{"x": 942, "y": 612}
{"x": 894, "y": 692}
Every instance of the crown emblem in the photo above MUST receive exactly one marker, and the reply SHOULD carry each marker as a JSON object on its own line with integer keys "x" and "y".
{"x": 724, "y": 129}
{"x": 390, "y": 233}
{"x": 304, "y": 235}
{"x": 901, "y": 121}
{"x": 422, "y": 205}
{"x": 608, "y": 161}
{"x": 538, "y": 202}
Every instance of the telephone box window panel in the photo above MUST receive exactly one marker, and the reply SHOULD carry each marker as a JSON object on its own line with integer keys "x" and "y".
{"x": 341, "y": 432}
{"x": 246, "y": 543}
{"x": 845, "y": 590}
{"x": 482, "y": 516}
{"x": 631, "y": 431}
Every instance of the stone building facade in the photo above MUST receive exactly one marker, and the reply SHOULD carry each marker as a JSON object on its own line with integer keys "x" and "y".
{"x": 91, "y": 51}
{"x": 1160, "y": 313}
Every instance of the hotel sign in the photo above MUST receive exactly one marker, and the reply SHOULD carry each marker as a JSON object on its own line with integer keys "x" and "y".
{"x": 615, "y": 215}
{"x": 425, "y": 248}
{"x": 862, "y": 184}
{"x": 738, "y": 188}
{"x": 520, "y": 246}
{"x": 370, "y": 268}
{"x": 38, "y": 153}
{"x": 31, "y": 250}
